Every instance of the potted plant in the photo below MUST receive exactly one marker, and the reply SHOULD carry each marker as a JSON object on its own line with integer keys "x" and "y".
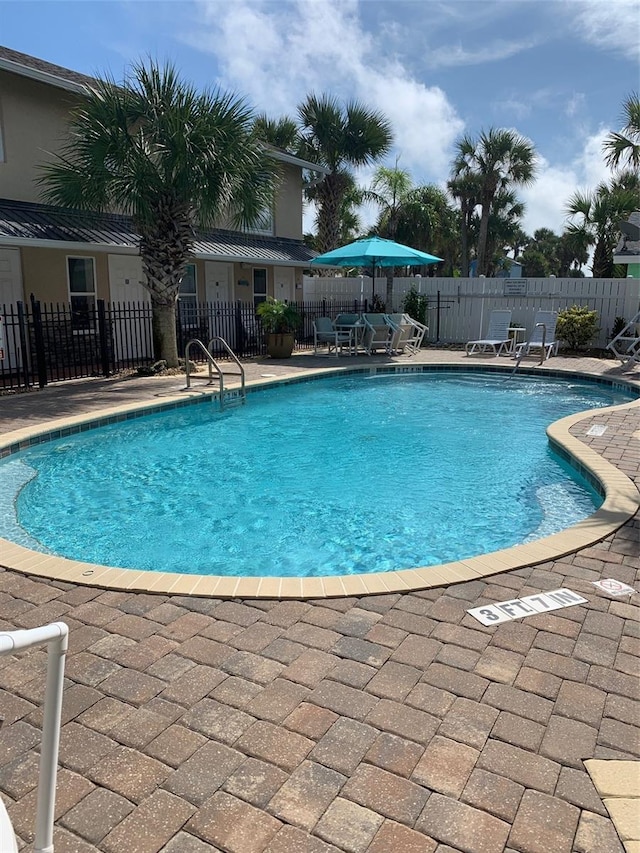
{"x": 279, "y": 320}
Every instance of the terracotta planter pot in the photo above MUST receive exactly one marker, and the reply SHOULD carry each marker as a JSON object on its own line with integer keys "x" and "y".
{"x": 280, "y": 345}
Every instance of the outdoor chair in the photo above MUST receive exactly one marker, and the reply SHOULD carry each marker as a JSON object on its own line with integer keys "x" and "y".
{"x": 407, "y": 334}
{"x": 543, "y": 336}
{"x": 497, "y": 338}
{"x": 325, "y": 334}
{"x": 377, "y": 333}
{"x": 55, "y": 637}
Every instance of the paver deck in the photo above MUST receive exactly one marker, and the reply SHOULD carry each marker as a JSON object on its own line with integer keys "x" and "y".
{"x": 376, "y": 724}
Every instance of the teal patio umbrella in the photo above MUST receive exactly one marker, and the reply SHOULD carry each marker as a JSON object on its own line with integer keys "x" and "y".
{"x": 374, "y": 252}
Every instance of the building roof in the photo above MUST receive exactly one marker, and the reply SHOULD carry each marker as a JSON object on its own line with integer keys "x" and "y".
{"x": 628, "y": 249}
{"x": 27, "y": 224}
{"x": 65, "y": 78}
{"x": 46, "y": 72}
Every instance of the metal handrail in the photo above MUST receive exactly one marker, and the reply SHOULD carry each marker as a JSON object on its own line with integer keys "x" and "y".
{"x": 543, "y": 326}
{"x": 56, "y": 637}
{"x": 213, "y": 364}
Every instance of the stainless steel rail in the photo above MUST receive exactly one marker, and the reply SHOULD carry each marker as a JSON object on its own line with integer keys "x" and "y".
{"x": 213, "y": 365}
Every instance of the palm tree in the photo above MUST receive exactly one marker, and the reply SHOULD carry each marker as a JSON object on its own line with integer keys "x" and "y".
{"x": 172, "y": 159}
{"x": 339, "y": 139}
{"x": 427, "y": 221}
{"x": 390, "y": 188}
{"x": 504, "y": 222}
{"x": 599, "y": 214}
{"x": 625, "y": 146}
{"x": 498, "y": 159}
{"x": 465, "y": 188}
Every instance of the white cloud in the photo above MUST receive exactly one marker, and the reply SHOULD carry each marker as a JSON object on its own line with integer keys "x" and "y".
{"x": 300, "y": 47}
{"x": 546, "y": 200}
{"x": 608, "y": 25}
{"x": 498, "y": 50}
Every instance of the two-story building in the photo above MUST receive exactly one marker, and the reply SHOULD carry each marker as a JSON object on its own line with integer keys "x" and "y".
{"x": 63, "y": 256}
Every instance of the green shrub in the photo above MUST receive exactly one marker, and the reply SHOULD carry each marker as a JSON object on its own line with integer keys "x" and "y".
{"x": 577, "y": 326}
{"x": 618, "y": 325}
{"x": 415, "y": 305}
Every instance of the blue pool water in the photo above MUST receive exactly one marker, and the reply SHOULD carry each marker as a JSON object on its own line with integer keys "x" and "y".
{"x": 335, "y": 476}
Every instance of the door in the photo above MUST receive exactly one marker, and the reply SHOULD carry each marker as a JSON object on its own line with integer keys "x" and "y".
{"x": 217, "y": 292}
{"x": 10, "y": 293}
{"x": 130, "y": 308}
{"x": 284, "y": 283}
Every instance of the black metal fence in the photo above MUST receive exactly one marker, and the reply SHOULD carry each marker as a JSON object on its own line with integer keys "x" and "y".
{"x": 52, "y": 342}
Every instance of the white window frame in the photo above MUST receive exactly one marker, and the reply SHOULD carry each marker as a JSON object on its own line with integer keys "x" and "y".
{"x": 264, "y": 224}
{"x": 89, "y": 329}
{"x": 189, "y": 298}
{"x": 260, "y": 297}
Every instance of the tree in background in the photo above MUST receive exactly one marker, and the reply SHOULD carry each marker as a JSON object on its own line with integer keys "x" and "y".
{"x": 597, "y": 215}
{"x": 623, "y": 149}
{"x": 427, "y": 222}
{"x": 504, "y": 223}
{"x": 465, "y": 188}
{"x": 390, "y": 188}
{"x": 498, "y": 160}
{"x": 172, "y": 159}
{"x": 339, "y": 138}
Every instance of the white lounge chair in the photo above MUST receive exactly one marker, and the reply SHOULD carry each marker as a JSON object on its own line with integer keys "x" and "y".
{"x": 497, "y": 338}
{"x": 626, "y": 344}
{"x": 407, "y": 334}
{"x": 326, "y": 335}
{"x": 543, "y": 336}
{"x": 377, "y": 333}
{"x": 55, "y": 637}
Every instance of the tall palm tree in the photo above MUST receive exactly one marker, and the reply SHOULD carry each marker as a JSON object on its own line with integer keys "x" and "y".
{"x": 172, "y": 159}
{"x": 504, "y": 221}
{"x": 427, "y": 221}
{"x": 624, "y": 148}
{"x": 499, "y": 159}
{"x": 339, "y": 138}
{"x": 465, "y": 188}
{"x": 597, "y": 216}
{"x": 390, "y": 188}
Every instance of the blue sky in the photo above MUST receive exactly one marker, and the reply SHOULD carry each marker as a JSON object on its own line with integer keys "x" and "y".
{"x": 557, "y": 71}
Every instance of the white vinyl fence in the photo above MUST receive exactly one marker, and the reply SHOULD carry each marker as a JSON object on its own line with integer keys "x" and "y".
{"x": 458, "y": 308}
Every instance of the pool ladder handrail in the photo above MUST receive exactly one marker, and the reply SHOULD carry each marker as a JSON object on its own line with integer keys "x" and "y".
{"x": 213, "y": 365}
{"x": 542, "y": 353}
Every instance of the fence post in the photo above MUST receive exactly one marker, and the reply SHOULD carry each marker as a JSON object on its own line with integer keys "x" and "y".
{"x": 41, "y": 358}
{"x": 438, "y": 317}
{"x": 102, "y": 336}
{"x": 25, "y": 357}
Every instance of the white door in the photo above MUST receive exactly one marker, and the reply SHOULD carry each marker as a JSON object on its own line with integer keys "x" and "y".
{"x": 217, "y": 289}
{"x": 10, "y": 277}
{"x": 129, "y": 299}
{"x": 217, "y": 281}
{"x": 284, "y": 283}
{"x": 10, "y": 293}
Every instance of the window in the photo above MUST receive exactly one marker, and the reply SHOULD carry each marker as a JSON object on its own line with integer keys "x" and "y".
{"x": 259, "y": 286}
{"x": 263, "y": 224}
{"x": 188, "y": 297}
{"x": 82, "y": 293}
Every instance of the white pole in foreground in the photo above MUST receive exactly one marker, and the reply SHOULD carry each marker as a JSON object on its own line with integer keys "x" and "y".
{"x": 56, "y": 637}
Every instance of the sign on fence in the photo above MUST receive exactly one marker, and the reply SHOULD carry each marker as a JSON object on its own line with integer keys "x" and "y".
{"x": 515, "y": 287}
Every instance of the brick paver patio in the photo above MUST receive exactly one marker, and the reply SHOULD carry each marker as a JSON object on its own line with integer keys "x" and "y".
{"x": 382, "y": 724}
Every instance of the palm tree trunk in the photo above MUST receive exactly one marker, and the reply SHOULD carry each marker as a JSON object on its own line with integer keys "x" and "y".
{"x": 389, "y": 293}
{"x": 165, "y": 342}
{"x": 482, "y": 238}
{"x": 166, "y": 249}
{"x": 464, "y": 245}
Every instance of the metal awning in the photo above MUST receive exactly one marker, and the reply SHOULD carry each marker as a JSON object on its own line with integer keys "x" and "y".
{"x": 28, "y": 224}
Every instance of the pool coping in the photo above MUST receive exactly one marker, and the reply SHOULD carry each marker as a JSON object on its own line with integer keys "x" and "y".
{"x": 621, "y": 502}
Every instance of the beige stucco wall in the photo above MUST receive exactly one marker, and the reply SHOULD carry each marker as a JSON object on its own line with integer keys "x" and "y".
{"x": 44, "y": 273}
{"x": 34, "y": 120}
{"x": 288, "y": 207}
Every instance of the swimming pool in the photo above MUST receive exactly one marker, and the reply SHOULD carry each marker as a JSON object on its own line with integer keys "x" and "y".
{"x": 335, "y": 476}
